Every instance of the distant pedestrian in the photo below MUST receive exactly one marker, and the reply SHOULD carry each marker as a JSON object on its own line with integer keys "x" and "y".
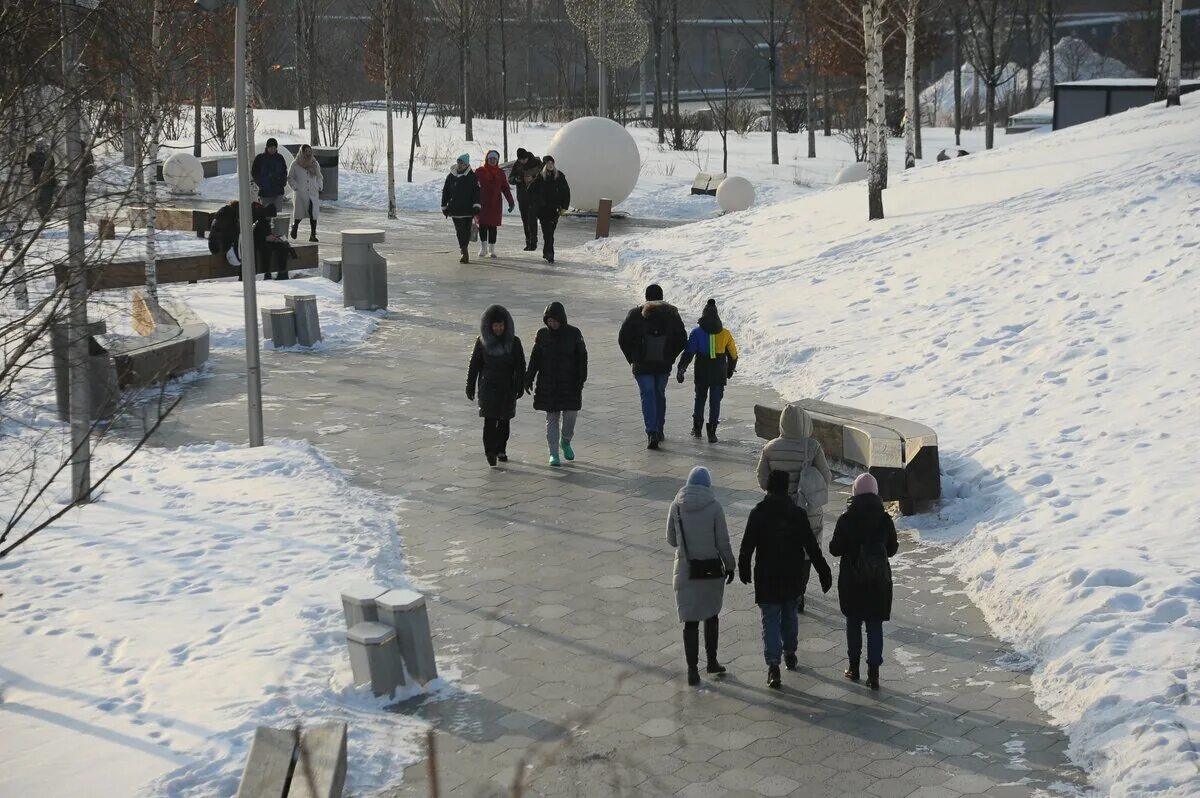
{"x": 497, "y": 376}
{"x": 716, "y": 359}
{"x": 460, "y": 201}
{"x": 778, "y": 533}
{"x": 865, "y": 539}
{"x": 704, "y": 564}
{"x": 306, "y": 182}
{"x": 651, "y": 338}
{"x": 798, "y": 453}
{"x": 551, "y": 196}
{"x": 40, "y": 163}
{"x": 270, "y": 174}
{"x": 524, "y": 170}
{"x": 492, "y": 184}
{"x": 557, "y": 371}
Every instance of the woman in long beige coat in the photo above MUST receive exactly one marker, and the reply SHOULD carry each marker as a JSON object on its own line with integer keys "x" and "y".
{"x": 306, "y": 181}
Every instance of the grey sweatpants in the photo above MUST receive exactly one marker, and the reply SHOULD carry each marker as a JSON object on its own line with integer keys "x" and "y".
{"x": 553, "y": 420}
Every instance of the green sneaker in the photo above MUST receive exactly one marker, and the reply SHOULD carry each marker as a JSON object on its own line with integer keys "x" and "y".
{"x": 554, "y": 460}
{"x": 568, "y": 452}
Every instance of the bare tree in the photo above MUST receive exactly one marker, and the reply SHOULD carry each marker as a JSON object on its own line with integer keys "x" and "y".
{"x": 723, "y": 105}
{"x": 1170, "y": 53}
{"x": 653, "y": 9}
{"x": 1051, "y": 16}
{"x": 993, "y": 24}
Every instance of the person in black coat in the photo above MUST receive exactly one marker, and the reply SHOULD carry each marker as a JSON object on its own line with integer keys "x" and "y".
{"x": 778, "y": 532}
{"x": 524, "y": 170}
{"x": 268, "y": 247}
{"x": 269, "y": 172}
{"x": 497, "y": 376}
{"x": 551, "y": 197}
{"x": 460, "y": 201}
{"x": 865, "y": 539}
{"x": 42, "y": 169}
{"x": 651, "y": 338}
{"x": 558, "y": 368}
{"x": 224, "y": 232}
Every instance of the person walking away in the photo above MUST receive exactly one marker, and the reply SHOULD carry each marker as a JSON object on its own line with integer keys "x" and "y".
{"x": 524, "y": 170}
{"x": 268, "y": 247}
{"x": 40, "y": 163}
{"x": 865, "y": 539}
{"x": 651, "y": 338}
{"x": 270, "y": 173}
{"x": 306, "y": 182}
{"x": 798, "y": 453}
{"x": 551, "y": 197}
{"x": 492, "y": 183}
{"x": 460, "y": 201}
{"x": 558, "y": 368}
{"x": 716, "y": 359}
{"x": 497, "y": 376}
{"x": 777, "y": 538}
{"x": 704, "y": 564}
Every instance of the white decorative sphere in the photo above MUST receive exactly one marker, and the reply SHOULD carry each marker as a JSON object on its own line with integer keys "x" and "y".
{"x": 183, "y": 173}
{"x": 735, "y": 194}
{"x": 854, "y": 173}
{"x": 600, "y": 160}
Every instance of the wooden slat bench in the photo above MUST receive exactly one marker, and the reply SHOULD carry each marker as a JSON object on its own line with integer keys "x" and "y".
{"x": 186, "y": 268}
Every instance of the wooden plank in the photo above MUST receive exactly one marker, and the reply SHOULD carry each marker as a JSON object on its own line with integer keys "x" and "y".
{"x": 269, "y": 765}
{"x": 185, "y": 268}
{"x": 321, "y": 764}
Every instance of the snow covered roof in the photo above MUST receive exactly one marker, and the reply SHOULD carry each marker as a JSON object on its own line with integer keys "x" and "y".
{"x": 1140, "y": 83}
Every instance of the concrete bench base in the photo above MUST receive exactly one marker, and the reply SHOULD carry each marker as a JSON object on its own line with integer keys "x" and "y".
{"x": 405, "y": 611}
{"x": 375, "y": 657}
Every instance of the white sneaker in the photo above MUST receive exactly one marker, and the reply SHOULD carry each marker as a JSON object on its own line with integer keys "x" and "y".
{"x": 491, "y": 249}
{"x": 482, "y": 248}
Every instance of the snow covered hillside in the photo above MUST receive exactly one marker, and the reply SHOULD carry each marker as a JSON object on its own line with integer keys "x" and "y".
{"x": 1036, "y": 306}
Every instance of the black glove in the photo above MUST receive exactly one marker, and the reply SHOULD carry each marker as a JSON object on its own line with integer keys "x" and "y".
{"x": 729, "y": 577}
{"x": 529, "y": 387}
{"x": 471, "y": 394}
{"x": 510, "y": 207}
{"x": 826, "y": 577}
{"x": 745, "y": 580}
{"x": 679, "y": 375}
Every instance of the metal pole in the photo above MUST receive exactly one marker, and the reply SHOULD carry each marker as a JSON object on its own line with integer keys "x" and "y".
{"x": 246, "y": 245}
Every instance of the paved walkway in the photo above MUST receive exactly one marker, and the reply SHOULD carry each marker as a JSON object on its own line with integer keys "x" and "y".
{"x": 551, "y": 588}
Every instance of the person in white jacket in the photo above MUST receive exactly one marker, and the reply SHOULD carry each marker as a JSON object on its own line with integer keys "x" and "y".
{"x": 306, "y": 181}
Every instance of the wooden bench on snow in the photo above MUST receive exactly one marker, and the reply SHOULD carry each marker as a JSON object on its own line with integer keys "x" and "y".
{"x": 902, "y": 455}
{"x": 707, "y": 184}
{"x": 186, "y": 267}
{"x": 291, "y": 764}
{"x": 194, "y": 220}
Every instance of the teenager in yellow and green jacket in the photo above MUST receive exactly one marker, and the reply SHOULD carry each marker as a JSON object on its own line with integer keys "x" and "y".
{"x": 716, "y": 358}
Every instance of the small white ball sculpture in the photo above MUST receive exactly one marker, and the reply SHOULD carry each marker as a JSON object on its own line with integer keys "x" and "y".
{"x": 599, "y": 158}
{"x": 854, "y": 173}
{"x": 735, "y": 194}
{"x": 183, "y": 173}
{"x": 287, "y": 161}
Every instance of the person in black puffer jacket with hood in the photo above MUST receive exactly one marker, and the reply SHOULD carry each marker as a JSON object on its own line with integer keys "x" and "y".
{"x": 497, "y": 375}
{"x": 651, "y": 338}
{"x": 865, "y": 539}
{"x": 558, "y": 366}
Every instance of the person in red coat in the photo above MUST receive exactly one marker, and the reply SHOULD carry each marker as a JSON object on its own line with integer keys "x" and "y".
{"x": 492, "y": 183}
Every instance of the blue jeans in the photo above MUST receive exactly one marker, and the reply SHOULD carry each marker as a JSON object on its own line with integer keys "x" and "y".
{"x": 654, "y": 400}
{"x": 780, "y": 626}
{"x": 713, "y": 394}
{"x": 874, "y": 641}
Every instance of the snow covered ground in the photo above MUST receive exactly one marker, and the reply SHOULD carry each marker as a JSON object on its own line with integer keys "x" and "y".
{"x": 1035, "y": 305}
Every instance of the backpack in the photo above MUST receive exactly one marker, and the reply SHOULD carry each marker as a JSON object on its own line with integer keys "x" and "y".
{"x": 870, "y": 571}
{"x": 812, "y": 492}
{"x": 654, "y": 349}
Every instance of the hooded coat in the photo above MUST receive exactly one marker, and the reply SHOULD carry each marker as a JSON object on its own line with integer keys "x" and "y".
{"x": 496, "y": 375}
{"x": 778, "y": 532}
{"x": 865, "y": 521}
{"x": 460, "y": 194}
{"x": 492, "y": 184}
{"x": 558, "y": 365}
{"x": 653, "y": 320}
{"x": 713, "y": 348}
{"x": 550, "y": 194}
{"x": 306, "y": 191}
{"x": 696, "y": 528}
{"x": 794, "y": 449}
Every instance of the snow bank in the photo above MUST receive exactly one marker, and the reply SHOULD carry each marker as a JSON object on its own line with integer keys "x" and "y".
{"x": 1035, "y": 306}
{"x": 147, "y": 635}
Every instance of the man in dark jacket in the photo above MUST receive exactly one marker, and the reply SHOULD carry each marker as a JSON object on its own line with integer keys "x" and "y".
{"x": 461, "y": 202}
{"x": 551, "y": 198}
{"x": 865, "y": 539}
{"x": 558, "y": 367}
{"x": 716, "y": 356}
{"x": 524, "y": 170}
{"x": 778, "y": 531}
{"x": 651, "y": 339}
{"x": 269, "y": 173}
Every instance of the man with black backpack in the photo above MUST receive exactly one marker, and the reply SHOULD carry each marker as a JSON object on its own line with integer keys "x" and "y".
{"x": 651, "y": 338}
{"x": 865, "y": 539}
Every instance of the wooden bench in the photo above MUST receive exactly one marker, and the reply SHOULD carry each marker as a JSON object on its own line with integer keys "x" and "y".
{"x": 290, "y": 764}
{"x": 707, "y": 184}
{"x": 902, "y": 455}
{"x": 185, "y": 268}
{"x": 192, "y": 220}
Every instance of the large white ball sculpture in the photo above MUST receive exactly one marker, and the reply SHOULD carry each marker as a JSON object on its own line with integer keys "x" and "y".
{"x": 287, "y": 160}
{"x": 735, "y": 194}
{"x": 599, "y": 158}
{"x": 854, "y": 173}
{"x": 183, "y": 173}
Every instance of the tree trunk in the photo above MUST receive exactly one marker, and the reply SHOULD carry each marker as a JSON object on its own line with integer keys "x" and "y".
{"x": 387, "y": 102}
{"x": 874, "y": 75}
{"x": 314, "y": 133}
{"x": 809, "y": 88}
{"x": 1051, "y": 24}
{"x": 1167, "y": 86}
{"x": 151, "y": 260}
{"x": 989, "y": 136}
{"x": 297, "y": 72}
{"x": 958, "y": 67}
{"x": 826, "y": 110}
{"x": 974, "y": 97}
{"x": 529, "y": 39}
{"x": 659, "y": 117}
{"x": 881, "y": 103}
{"x": 197, "y": 122}
{"x": 218, "y": 112}
{"x": 676, "y": 122}
{"x": 412, "y": 141}
{"x": 469, "y": 132}
{"x": 503, "y": 81}
{"x": 772, "y": 61}
{"x": 910, "y": 84}
{"x": 1174, "y": 68}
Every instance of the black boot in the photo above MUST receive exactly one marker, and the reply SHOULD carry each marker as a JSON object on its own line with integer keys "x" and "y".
{"x": 312, "y": 226}
{"x": 712, "y": 634}
{"x": 873, "y": 677}
{"x": 852, "y": 671}
{"x": 696, "y": 428}
{"x": 774, "y": 681}
{"x": 295, "y": 228}
{"x": 465, "y": 257}
{"x": 652, "y": 440}
{"x": 712, "y": 432}
{"x": 691, "y": 652}
{"x": 790, "y": 661}
{"x": 800, "y": 605}
{"x": 662, "y": 436}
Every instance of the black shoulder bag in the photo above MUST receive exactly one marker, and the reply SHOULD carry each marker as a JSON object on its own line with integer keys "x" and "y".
{"x": 699, "y": 569}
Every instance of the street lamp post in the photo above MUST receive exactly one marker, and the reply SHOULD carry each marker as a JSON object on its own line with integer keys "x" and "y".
{"x": 249, "y": 297}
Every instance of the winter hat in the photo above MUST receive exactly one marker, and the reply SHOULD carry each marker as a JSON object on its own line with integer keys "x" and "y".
{"x": 778, "y": 482}
{"x": 547, "y": 159}
{"x": 865, "y": 483}
{"x": 272, "y": 143}
{"x": 700, "y": 476}
{"x": 654, "y": 293}
{"x": 522, "y": 153}
{"x": 464, "y": 158}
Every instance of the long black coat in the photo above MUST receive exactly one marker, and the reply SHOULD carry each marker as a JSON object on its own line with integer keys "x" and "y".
{"x": 778, "y": 531}
{"x": 549, "y": 195}
{"x": 558, "y": 364}
{"x": 460, "y": 194}
{"x": 652, "y": 319}
{"x": 496, "y": 375}
{"x": 522, "y": 175}
{"x": 865, "y": 521}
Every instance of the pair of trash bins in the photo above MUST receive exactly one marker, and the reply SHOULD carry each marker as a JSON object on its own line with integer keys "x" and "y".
{"x": 388, "y": 632}
{"x": 297, "y": 323}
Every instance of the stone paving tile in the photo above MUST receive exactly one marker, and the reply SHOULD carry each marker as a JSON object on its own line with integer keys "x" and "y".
{"x": 550, "y": 589}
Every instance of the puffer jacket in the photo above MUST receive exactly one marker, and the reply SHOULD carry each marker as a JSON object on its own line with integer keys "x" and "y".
{"x": 713, "y": 348}
{"x": 794, "y": 449}
{"x": 557, "y": 365}
{"x": 652, "y": 320}
{"x": 460, "y": 194}
{"x": 522, "y": 175}
{"x": 864, "y": 522}
{"x": 704, "y": 536}
{"x": 496, "y": 375}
